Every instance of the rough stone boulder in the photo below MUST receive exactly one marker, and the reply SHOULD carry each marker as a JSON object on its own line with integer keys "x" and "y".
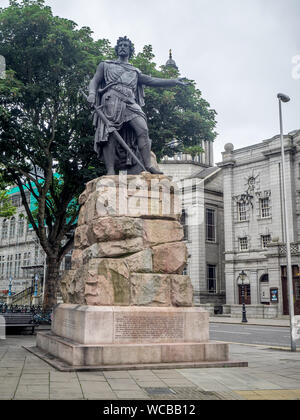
{"x": 121, "y": 258}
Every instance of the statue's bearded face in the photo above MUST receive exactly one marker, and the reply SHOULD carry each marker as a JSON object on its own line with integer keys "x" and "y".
{"x": 124, "y": 49}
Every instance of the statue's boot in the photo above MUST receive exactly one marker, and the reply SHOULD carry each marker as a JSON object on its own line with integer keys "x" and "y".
{"x": 146, "y": 155}
{"x": 152, "y": 170}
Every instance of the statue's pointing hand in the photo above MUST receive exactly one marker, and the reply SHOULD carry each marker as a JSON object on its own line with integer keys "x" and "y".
{"x": 182, "y": 81}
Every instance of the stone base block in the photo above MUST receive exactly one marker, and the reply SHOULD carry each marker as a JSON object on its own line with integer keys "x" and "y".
{"x": 76, "y": 354}
{"x": 130, "y": 324}
{"x": 99, "y": 337}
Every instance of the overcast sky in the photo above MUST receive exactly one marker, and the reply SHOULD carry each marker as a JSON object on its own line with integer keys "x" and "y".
{"x": 239, "y": 52}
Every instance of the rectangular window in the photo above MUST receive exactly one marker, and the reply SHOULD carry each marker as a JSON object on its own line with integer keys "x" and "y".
{"x": 242, "y": 212}
{"x": 12, "y": 228}
{"x": 4, "y": 229}
{"x": 264, "y": 207}
{"x": 17, "y": 265}
{"x": 36, "y": 254}
{"x": 183, "y": 221}
{"x": 16, "y": 200}
{"x": 21, "y": 227}
{"x": 265, "y": 240}
{"x": 211, "y": 279}
{"x": 297, "y": 289}
{"x": 243, "y": 242}
{"x": 26, "y": 263}
{"x": 2, "y": 266}
{"x": 210, "y": 225}
{"x": 9, "y": 266}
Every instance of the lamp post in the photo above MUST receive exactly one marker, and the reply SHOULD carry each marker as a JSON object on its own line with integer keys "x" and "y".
{"x": 9, "y": 296}
{"x": 284, "y": 98}
{"x": 242, "y": 278}
{"x": 35, "y": 294}
{"x": 10, "y": 286}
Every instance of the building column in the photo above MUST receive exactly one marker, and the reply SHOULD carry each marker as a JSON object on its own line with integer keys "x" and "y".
{"x": 230, "y": 284}
{"x": 255, "y": 290}
{"x": 227, "y": 167}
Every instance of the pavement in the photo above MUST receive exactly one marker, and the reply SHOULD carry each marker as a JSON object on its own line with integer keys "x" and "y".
{"x": 272, "y": 374}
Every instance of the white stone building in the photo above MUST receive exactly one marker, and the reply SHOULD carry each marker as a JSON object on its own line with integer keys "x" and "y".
{"x": 253, "y": 222}
{"x": 20, "y": 253}
{"x": 21, "y": 256}
{"x": 205, "y": 233}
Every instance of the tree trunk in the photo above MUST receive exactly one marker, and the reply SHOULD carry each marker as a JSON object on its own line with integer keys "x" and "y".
{"x": 51, "y": 283}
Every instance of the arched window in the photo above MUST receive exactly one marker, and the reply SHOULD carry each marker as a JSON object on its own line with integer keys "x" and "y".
{"x": 12, "y": 228}
{"x": 21, "y": 227}
{"x": 4, "y": 229}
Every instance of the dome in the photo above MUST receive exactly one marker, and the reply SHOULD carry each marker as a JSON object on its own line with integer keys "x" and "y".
{"x": 171, "y": 62}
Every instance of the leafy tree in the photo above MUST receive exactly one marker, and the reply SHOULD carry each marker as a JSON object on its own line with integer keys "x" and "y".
{"x": 193, "y": 150}
{"x": 177, "y": 113}
{"x": 6, "y": 208}
{"x": 46, "y": 125}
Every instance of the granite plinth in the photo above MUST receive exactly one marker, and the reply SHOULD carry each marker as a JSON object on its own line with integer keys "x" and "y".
{"x": 117, "y": 336}
{"x": 126, "y": 325}
{"x": 76, "y": 354}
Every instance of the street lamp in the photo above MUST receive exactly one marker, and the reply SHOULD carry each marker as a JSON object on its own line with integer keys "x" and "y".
{"x": 9, "y": 296}
{"x": 10, "y": 286}
{"x": 284, "y": 98}
{"x": 35, "y": 300}
{"x": 36, "y": 278}
{"x": 242, "y": 281}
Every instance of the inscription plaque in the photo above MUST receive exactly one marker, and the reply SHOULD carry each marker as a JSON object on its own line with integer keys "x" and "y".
{"x": 68, "y": 324}
{"x": 145, "y": 327}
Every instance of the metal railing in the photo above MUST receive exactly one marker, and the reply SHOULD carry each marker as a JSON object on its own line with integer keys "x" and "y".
{"x": 25, "y": 293}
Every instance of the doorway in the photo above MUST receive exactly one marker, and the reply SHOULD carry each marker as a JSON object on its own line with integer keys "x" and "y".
{"x": 247, "y": 294}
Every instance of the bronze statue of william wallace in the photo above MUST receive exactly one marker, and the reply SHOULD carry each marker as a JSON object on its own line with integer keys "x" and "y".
{"x": 117, "y": 90}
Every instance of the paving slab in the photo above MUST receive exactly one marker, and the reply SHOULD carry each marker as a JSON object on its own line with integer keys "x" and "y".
{"x": 91, "y": 377}
{"x": 129, "y": 395}
{"x": 94, "y": 390}
{"x": 32, "y": 392}
{"x": 117, "y": 375}
{"x": 151, "y": 383}
{"x": 123, "y": 384}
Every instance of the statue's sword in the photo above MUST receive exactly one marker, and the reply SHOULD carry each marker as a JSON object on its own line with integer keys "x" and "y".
{"x": 114, "y": 132}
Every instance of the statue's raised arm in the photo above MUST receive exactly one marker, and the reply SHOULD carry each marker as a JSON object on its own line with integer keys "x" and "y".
{"x": 157, "y": 82}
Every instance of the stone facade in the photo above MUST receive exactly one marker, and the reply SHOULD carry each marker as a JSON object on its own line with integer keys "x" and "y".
{"x": 21, "y": 255}
{"x": 206, "y": 261}
{"x": 253, "y": 222}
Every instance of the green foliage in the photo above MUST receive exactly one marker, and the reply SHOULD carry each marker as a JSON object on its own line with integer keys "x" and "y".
{"x": 6, "y": 208}
{"x": 175, "y": 113}
{"x": 193, "y": 150}
{"x": 44, "y": 123}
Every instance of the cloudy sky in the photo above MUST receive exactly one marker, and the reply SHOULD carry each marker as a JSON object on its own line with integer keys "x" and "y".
{"x": 240, "y": 53}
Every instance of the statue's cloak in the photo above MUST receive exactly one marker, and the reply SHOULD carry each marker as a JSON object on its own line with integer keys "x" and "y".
{"x": 121, "y": 97}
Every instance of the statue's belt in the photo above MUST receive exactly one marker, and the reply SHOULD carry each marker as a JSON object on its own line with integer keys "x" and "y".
{"x": 122, "y": 95}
